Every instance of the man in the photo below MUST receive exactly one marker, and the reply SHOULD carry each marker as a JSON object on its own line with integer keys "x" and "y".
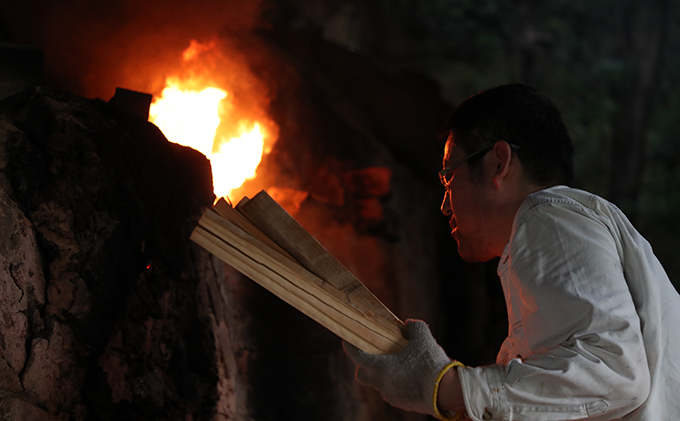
{"x": 593, "y": 317}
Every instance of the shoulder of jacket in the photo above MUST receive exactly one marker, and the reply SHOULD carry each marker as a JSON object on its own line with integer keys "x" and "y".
{"x": 566, "y": 196}
{"x": 563, "y": 197}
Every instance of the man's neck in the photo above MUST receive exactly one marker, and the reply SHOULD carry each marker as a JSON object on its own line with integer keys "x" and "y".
{"x": 509, "y": 211}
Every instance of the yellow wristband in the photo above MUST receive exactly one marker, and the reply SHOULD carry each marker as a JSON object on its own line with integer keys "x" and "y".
{"x": 444, "y": 415}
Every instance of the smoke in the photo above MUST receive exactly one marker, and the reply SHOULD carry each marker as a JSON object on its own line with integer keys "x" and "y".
{"x": 92, "y": 47}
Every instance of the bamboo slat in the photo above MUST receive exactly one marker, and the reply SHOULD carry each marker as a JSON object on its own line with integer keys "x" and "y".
{"x": 230, "y": 214}
{"x": 277, "y": 224}
{"x": 291, "y": 282}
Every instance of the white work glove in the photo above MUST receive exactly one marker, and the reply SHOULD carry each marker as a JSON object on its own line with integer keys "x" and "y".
{"x": 406, "y": 379}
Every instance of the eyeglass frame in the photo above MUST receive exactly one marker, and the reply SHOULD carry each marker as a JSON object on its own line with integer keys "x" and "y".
{"x": 451, "y": 168}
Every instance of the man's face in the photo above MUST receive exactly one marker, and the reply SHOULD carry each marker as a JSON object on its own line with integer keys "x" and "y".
{"x": 467, "y": 206}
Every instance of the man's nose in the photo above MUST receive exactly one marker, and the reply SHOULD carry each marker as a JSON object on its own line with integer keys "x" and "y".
{"x": 446, "y": 204}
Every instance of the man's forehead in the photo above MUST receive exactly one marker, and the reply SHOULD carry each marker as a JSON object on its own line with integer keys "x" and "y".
{"x": 451, "y": 150}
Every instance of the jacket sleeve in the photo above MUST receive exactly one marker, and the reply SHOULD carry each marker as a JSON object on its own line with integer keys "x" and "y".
{"x": 578, "y": 327}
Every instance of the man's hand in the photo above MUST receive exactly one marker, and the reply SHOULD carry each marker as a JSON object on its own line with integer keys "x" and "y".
{"x": 406, "y": 379}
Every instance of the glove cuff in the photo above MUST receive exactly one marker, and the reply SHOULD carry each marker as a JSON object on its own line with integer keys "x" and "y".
{"x": 445, "y": 415}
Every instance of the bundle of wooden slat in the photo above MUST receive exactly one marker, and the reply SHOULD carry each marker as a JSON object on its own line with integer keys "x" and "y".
{"x": 261, "y": 240}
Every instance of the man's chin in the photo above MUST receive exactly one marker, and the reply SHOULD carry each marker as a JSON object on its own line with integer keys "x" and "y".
{"x": 471, "y": 258}
{"x": 471, "y": 255}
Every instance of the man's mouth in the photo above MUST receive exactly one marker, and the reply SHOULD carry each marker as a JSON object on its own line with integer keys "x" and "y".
{"x": 453, "y": 225}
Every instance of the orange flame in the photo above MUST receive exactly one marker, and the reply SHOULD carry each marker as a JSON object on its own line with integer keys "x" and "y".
{"x": 193, "y": 112}
{"x": 188, "y": 117}
{"x": 196, "y": 48}
{"x": 237, "y": 159}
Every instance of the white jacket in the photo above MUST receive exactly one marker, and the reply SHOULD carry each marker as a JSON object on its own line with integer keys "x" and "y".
{"x": 594, "y": 322}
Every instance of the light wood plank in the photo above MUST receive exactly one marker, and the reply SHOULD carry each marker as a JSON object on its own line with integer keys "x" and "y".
{"x": 225, "y": 210}
{"x": 277, "y": 224}
{"x": 295, "y": 285}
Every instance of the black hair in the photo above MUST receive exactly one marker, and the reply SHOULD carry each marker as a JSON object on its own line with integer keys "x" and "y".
{"x": 523, "y": 117}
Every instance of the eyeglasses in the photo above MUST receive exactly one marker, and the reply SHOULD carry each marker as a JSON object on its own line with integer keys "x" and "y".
{"x": 446, "y": 175}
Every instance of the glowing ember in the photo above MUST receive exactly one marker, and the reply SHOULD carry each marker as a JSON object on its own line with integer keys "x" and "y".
{"x": 193, "y": 113}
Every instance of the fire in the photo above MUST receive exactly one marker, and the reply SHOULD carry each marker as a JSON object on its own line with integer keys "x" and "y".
{"x": 237, "y": 159}
{"x": 194, "y": 112}
{"x": 188, "y": 117}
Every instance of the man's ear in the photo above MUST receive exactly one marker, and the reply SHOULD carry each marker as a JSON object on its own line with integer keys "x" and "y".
{"x": 501, "y": 156}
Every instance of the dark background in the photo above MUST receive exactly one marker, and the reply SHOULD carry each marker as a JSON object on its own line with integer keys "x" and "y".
{"x": 611, "y": 67}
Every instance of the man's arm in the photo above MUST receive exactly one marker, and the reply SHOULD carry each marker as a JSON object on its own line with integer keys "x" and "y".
{"x": 450, "y": 395}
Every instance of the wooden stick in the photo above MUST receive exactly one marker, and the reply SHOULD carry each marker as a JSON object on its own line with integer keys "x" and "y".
{"x": 304, "y": 280}
{"x": 276, "y": 223}
{"x": 294, "y": 284}
{"x": 235, "y": 258}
